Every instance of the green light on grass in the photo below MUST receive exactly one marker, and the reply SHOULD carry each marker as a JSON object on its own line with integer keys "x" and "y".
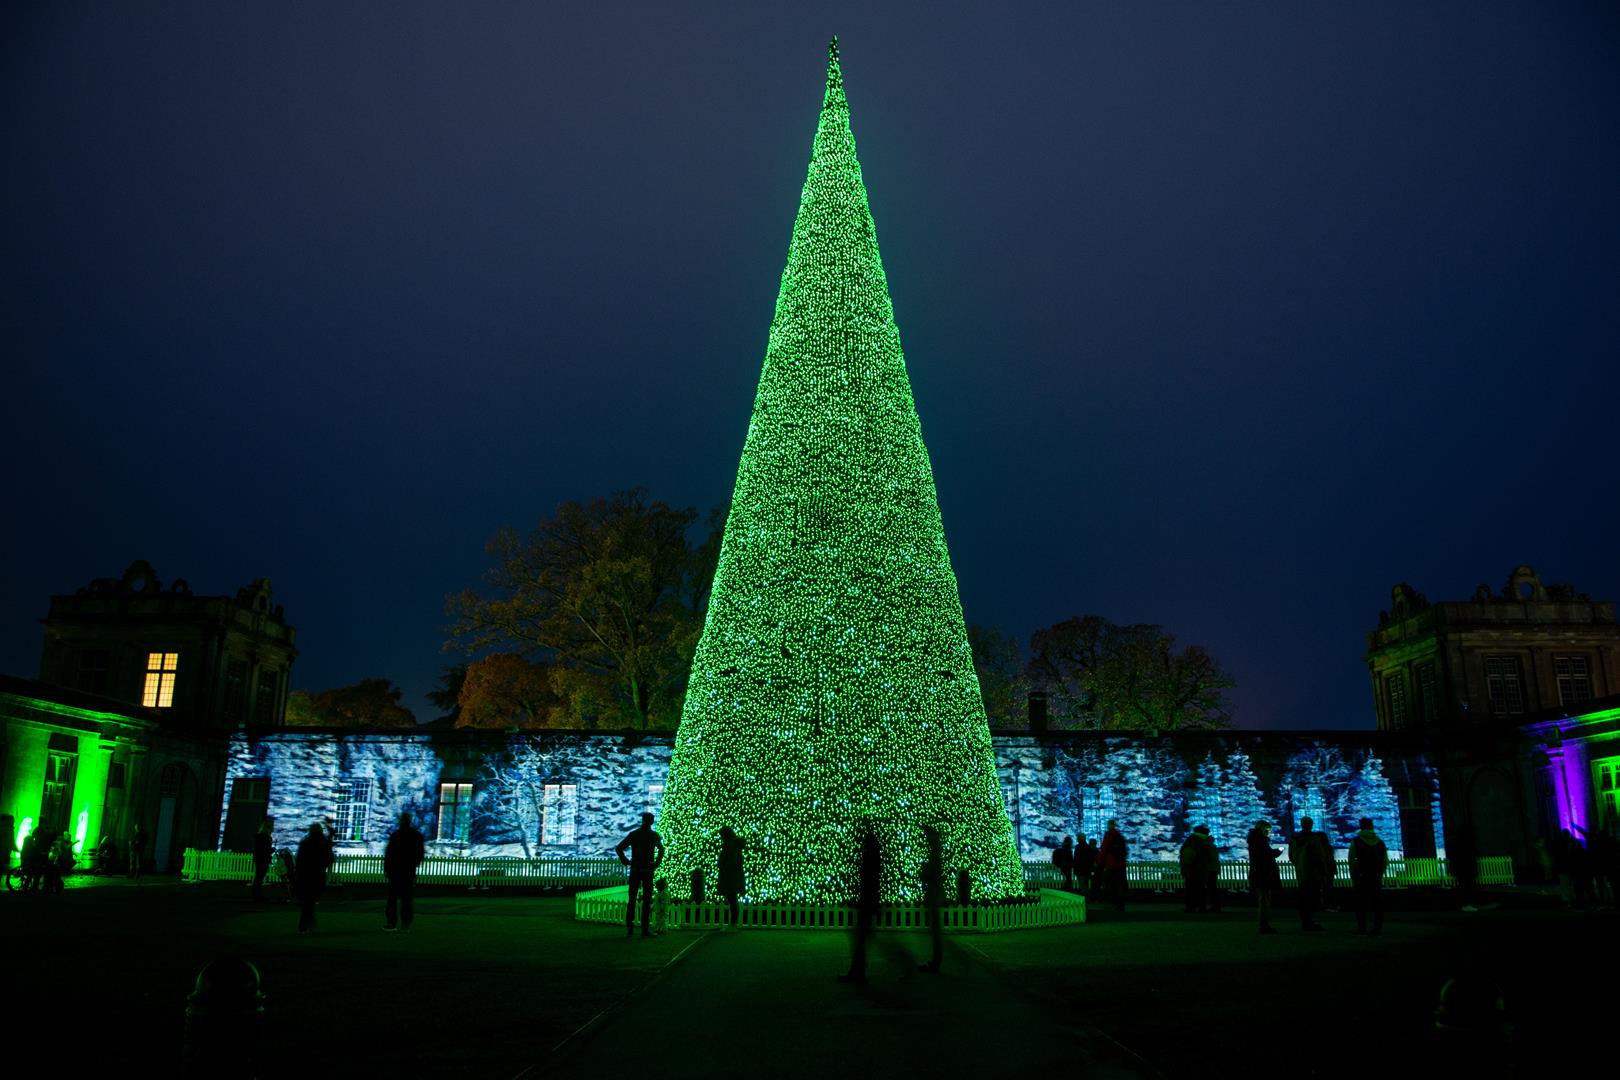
{"x": 833, "y": 683}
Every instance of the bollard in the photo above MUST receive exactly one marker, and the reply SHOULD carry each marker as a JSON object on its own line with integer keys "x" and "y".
{"x": 697, "y": 886}
{"x": 224, "y": 1018}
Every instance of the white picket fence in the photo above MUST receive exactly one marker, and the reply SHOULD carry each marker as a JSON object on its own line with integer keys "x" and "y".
{"x": 1046, "y": 907}
{"x": 495, "y": 872}
{"x": 501, "y": 871}
{"x": 1493, "y": 870}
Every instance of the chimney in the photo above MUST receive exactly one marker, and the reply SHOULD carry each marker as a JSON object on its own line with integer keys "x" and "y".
{"x": 1037, "y": 712}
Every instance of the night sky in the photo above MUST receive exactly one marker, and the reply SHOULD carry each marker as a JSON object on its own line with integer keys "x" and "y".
{"x": 1226, "y": 317}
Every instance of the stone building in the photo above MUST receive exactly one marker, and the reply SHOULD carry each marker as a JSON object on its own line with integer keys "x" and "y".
{"x": 139, "y": 686}
{"x": 1492, "y": 660}
{"x": 207, "y": 663}
{"x": 1509, "y": 690}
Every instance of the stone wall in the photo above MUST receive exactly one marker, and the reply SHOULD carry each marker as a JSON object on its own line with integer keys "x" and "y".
{"x": 1061, "y": 784}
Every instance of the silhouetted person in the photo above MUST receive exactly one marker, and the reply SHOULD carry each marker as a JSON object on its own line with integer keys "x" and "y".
{"x": 1463, "y": 862}
{"x": 137, "y": 850}
{"x": 1368, "y": 859}
{"x": 1575, "y": 865}
{"x": 1330, "y": 866}
{"x": 646, "y": 852}
{"x": 1264, "y": 877}
{"x": 869, "y": 871}
{"x": 1112, "y": 857}
{"x": 106, "y": 852}
{"x": 1310, "y": 870}
{"x": 1199, "y": 860}
{"x": 8, "y": 837}
{"x": 401, "y": 857}
{"x": 263, "y": 852}
{"x": 1603, "y": 860}
{"x": 1063, "y": 859}
{"x": 1085, "y": 865}
{"x": 28, "y": 859}
{"x": 61, "y": 861}
{"x": 730, "y": 883}
{"x": 1212, "y": 877}
{"x": 309, "y": 874}
{"x": 932, "y": 875}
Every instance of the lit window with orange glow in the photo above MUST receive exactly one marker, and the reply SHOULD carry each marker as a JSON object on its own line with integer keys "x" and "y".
{"x": 160, "y": 671}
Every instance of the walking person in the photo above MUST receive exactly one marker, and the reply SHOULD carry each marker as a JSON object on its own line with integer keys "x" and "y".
{"x": 263, "y": 853}
{"x": 869, "y": 877}
{"x": 1310, "y": 871}
{"x": 1112, "y": 858}
{"x": 1330, "y": 872}
{"x": 1085, "y": 861}
{"x": 1264, "y": 877}
{"x": 309, "y": 874}
{"x": 1368, "y": 859}
{"x": 403, "y": 854}
{"x": 1212, "y": 873}
{"x": 933, "y": 884}
{"x": 646, "y": 852}
{"x": 1463, "y": 862}
{"x": 730, "y": 883}
{"x": 1198, "y": 862}
{"x": 1063, "y": 859}
{"x": 59, "y": 860}
{"x": 137, "y": 850}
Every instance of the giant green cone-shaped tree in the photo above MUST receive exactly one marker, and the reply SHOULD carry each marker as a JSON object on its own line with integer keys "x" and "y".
{"x": 833, "y": 685}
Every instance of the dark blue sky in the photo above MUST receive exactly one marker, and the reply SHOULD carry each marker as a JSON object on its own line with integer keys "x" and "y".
{"x": 1221, "y": 316}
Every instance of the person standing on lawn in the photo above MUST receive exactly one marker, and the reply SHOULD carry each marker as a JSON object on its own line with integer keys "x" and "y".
{"x": 404, "y": 853}
{"x": 646, "y": 852}
{"x": 1368, "y": 859}
{"x": 1264, "y": 877}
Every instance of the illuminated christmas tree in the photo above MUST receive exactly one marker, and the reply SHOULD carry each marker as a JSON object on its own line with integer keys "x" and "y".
{"x": 1205, "y": 805}
{"x": 1371, "y": 795}
{"x": 1242, "y": 800}
{"x": 833, "y": 685}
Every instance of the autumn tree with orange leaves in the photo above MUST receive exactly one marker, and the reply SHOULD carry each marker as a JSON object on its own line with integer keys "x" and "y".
{"x": 607, "y": 597}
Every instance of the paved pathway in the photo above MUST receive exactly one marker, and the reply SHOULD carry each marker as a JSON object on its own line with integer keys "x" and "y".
{"x": 767, "y": 1003}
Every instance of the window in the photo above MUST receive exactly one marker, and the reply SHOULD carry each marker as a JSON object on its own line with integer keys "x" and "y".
{"x": 236, "y": 675}
{"x": 353, "y": 802}
{"x": 455, "y": 811}
{"x": 1095, "y": 810}
{"x": 160, "y": 672}
{"x": 1574, "y": 679}
{"x": 264, "y": 705}
{"x": 93, "y": 665}
{"x": 1395, "y": 687}
{"x": 115, "y": 776}
{"x": 57, "y": 794}
{"x": 561, "y": 806}
{"x": 1428, "y": 699}
{"x": 1606, "y": 774}
{"x": 1506, "y": 685}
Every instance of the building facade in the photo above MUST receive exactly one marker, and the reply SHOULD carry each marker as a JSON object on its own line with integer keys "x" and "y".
{"x": 139, "y": 687}
{"x": 206, "y": 663}
{"x": 1508, "y": 688}
{"x": 1493, "y": 660}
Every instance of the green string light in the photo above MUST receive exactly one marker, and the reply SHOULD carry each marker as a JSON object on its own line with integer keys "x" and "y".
{"x": 833, "y": 684}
